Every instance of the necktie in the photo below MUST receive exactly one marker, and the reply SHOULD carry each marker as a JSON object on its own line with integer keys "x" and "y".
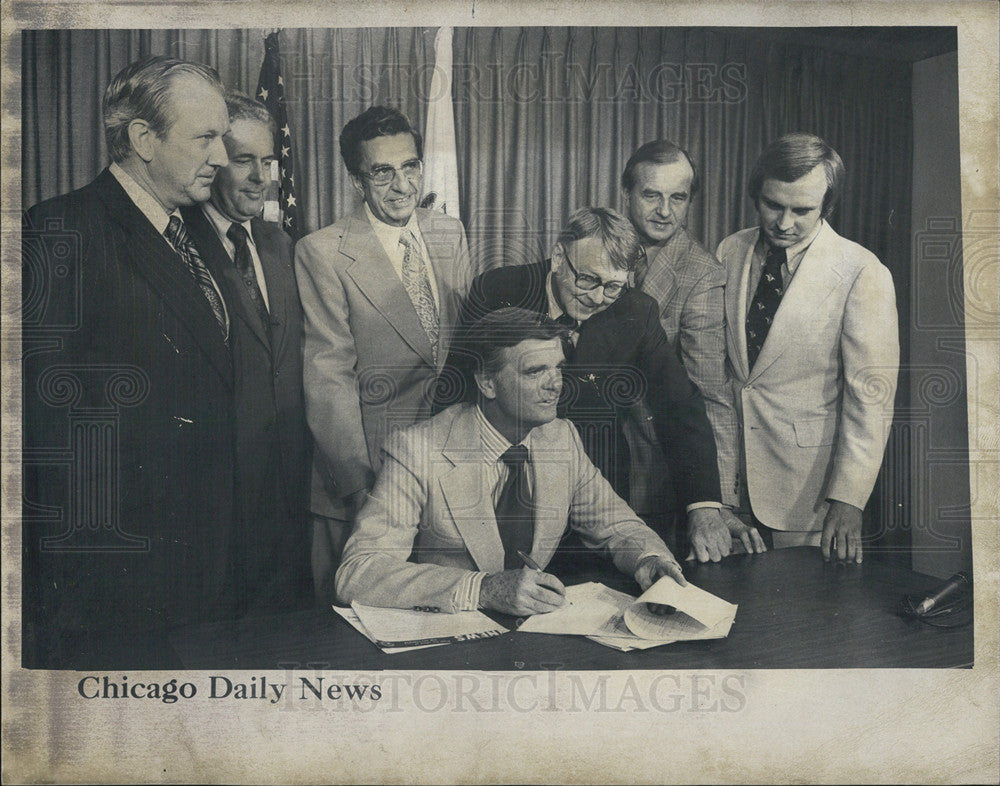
{"x": 244, "y": 264}
{"x": 514, "y": 509}
{"x": 177, "y": 235}
{"x": 569, "y": 346}
{"x": 765, "y": 303}
{"x": 418, "y": 287}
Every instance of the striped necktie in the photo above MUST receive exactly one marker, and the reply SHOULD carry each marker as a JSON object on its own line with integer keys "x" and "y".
{"x": 177, "y": 235}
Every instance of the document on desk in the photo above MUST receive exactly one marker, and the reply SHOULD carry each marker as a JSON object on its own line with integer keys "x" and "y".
{"x": 395, "y": 629}
{"x": 352, "y": 619}
{"x": 618, "y": 620}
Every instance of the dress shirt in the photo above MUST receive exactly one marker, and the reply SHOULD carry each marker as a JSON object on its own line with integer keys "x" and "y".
{"x": 154, "y": 211}
{"x": 222, "y": 224}
{"x": 494, "y": 474}
{"x": 793, "y": 258}
{"x": 388, "y": 235}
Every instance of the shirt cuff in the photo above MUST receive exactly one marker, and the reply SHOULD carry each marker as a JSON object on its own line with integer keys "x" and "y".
{"x": 466, "y": 597}
{"x": 696, "y": 505}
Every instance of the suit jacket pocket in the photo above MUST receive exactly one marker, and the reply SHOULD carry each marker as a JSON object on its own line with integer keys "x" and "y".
{"x": 813, "y": 432}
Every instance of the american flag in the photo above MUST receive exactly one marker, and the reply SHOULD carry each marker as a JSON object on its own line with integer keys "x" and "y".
{"x": 271, "y": 93}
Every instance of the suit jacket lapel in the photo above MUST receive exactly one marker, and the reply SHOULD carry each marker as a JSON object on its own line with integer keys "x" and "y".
{"x": 815, "y": 279}
{"x": 375, "y": 276}
{"x": 162, "y": 267}
{"x": 270, "y": 253}
{"x": 442, "y": 265}
{"x": 660, "y": 281}
{"x": 737, "y": 280}
{"x": 553, "y": 484}
{"x": 470, "y": 505}
{"x": 222, "y": 267}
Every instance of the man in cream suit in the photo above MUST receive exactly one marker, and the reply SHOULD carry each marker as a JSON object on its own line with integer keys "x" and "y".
{"x": 380, "y": 291}
{"x": 812, "y": 343}
{"x": 441, "y": 531}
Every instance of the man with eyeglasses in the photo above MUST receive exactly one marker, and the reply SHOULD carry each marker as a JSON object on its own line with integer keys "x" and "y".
{"x": 616, "y": 357}
{"x": 381, "y": 289}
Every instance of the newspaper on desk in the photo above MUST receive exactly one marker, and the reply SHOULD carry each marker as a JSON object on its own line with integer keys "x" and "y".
{"x": 616, "y": 619}
{"x": 402, "y": 630}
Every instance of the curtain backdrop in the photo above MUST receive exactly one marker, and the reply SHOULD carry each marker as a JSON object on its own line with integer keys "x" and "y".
{"x": 545, "y": 117}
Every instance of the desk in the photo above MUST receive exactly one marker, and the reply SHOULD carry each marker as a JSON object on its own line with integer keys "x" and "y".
{"x": 795, "y": 611}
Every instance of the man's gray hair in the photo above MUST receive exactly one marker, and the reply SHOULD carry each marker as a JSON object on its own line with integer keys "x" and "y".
{"x": 242, "y": 107}
{"x": 141, "y": 91}
{"x": 616, "y": 232}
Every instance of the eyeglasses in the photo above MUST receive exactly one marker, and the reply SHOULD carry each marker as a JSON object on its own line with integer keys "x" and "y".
{"x": 384, "y": 175}
{"x": 588, "y": 283}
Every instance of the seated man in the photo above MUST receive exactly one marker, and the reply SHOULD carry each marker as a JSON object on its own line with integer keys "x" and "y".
{"x": 461, "y": 496}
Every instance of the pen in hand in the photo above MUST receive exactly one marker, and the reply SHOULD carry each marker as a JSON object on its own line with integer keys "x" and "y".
{"x": 531, "y": 564}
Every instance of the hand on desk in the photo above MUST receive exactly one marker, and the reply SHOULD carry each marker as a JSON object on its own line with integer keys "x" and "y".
{"x": 712, "y": 530}
{"x": 651, "y": 570}
{"x": 842, "y": 533}
{"x": 521, "y": 592}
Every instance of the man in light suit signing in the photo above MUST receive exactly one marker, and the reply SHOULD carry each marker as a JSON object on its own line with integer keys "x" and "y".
{"x": 463, "y": 495}
{"x": 381, "y": 290}
{"x": 812, "y": 343}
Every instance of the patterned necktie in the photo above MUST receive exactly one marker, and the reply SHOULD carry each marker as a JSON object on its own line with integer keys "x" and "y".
{"x": 177, "y": 235}
{"x": 765, "y": 303}
{"x": 514, "y": 509}
{"x": 237, "y": 233}
{"x": 418, "y": 287}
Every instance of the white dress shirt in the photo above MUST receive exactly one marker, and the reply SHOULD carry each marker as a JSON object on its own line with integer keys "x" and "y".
{"x": 222, "y": 224}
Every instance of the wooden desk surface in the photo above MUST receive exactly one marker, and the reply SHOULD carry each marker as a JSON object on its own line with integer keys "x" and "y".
{"x": 795, "y": 611}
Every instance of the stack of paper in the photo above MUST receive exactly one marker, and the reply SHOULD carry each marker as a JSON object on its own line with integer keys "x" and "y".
{"x": 618, "y": 620}
{"x": 401, "y": 630}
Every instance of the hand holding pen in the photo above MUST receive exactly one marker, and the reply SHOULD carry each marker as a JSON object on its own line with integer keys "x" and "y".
{"x": 529, "y": 590}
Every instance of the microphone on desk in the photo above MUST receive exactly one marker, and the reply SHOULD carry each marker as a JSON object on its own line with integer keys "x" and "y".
{"x": 945, "y": 593}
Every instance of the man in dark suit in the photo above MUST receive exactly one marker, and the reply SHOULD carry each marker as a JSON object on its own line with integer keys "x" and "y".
{"x": 255, "y": 258}
{"x": 128, "y": 388}
{"x": 618, "y": 355}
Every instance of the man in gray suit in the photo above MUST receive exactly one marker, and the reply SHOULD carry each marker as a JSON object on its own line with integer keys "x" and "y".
{"x": 688, "y": 283}
{"x": 463, "y": 495}
{"x": 381, "y": 289}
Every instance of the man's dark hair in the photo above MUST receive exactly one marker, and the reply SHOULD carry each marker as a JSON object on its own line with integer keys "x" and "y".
{"x": 793, "y": 156}
{"x": 506, "y": 327}
{"x": 141, "y": 91}
{"x": 659, "y": 151}
{"x": 374, "y": 122}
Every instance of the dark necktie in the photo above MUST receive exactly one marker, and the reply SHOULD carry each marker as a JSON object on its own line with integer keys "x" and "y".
{"x": 569, "y": 348}
{"x": 177, "y": 235}
{"x": 514, "y": 509}
{"x": 765, "y": 303}
{"x": 244, "y": 264}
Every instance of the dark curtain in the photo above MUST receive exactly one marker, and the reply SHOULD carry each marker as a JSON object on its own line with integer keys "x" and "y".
{"x": 547, "y": 117}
